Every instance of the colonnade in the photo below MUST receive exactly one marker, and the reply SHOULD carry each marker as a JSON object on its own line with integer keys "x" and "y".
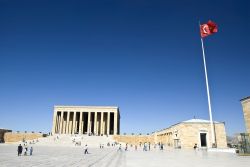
{"x": 86, "y": 122}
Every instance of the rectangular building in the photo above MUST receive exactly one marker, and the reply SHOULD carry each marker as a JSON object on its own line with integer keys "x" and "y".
{"x": 246, "y": 111}
{"x": 96, "y": 120}
{"x": 185, "y": 134}
{"x": 194, "y": 131}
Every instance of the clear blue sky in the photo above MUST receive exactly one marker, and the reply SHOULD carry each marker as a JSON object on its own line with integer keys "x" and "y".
{"x": 141, "y": 55}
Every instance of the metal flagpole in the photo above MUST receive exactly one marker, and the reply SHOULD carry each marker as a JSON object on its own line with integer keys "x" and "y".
{"x": 208, "y": 97}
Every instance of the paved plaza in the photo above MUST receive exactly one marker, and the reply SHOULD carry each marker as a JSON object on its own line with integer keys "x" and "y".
{"x": 110, "y": 157}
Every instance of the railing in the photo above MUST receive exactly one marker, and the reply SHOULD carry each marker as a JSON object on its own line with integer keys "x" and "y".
{"x": 244, "y": 143}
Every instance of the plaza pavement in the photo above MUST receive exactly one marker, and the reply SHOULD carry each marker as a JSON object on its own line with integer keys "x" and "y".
{"x": 59, "y": 156}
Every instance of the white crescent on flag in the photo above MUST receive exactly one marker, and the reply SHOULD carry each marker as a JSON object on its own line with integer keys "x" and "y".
{"x": 205, "y": 28}
{"x": 208, "y": 29}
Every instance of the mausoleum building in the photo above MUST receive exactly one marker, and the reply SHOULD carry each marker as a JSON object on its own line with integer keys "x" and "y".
{"x": 96, "y": 120}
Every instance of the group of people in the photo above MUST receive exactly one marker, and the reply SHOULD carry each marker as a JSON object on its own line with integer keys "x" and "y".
{"x": 24, "y": 150}
{"x": 145, "y": 147}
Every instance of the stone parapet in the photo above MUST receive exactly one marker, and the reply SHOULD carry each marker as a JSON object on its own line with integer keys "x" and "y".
{"x": 16, "y": 137}
{"x": 134, "y": 139}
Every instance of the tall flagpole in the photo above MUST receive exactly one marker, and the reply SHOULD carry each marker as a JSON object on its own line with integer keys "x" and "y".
{"x": 208, "y": 96}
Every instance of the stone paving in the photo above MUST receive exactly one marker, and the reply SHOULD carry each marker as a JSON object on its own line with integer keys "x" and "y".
{"x": 111, "y": 157}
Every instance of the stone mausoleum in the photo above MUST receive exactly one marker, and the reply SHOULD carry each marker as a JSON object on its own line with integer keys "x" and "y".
{"x": 96, "y": 120}
{"x": 105, "y": 120}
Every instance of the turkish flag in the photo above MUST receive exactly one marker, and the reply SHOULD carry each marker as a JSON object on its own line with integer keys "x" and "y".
{"x": 208, "y": 29}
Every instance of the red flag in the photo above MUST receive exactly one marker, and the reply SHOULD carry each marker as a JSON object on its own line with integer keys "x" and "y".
{"x": 208, "y": 29}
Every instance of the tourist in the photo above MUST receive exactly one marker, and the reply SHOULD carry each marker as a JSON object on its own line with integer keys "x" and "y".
{"x": 144, "y": 147}
{"x": 31, "y": 151}
{"x": 161, "y": 146}
{"x": 120, "y": 148}
{"x": 25, "y": 150}
{"x": 195, "y": 146}
{"x": 19, "y": 150}
{"x": 86, "y": 149}
{"x": 135, "y": 147}
{"x": 149, "y": 147}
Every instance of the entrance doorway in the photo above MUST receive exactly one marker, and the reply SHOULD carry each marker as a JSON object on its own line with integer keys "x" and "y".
{"x": 203, "y": 139}
{"x": 177, "y": 143}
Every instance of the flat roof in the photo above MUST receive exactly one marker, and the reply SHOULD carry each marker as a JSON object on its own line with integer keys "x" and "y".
{"x": 198, "y": 121}
{"x": 115, "y": 107}
{"x": 190, "y": 121}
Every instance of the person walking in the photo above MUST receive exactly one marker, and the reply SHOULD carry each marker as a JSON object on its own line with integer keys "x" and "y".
{"x": 31, "y": 151}
{"x": 161, "y": 146}
{"x": 144, "y": 147}
{"x": 120, "y": 148}
{"x": 25, "y": 150}
{"x": 86, "y": 149}
{"x": 19, "y": 150}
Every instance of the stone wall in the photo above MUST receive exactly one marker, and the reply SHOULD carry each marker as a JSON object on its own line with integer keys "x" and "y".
{"x": 221, "y": 137}
{"x": 2, "y": 132}
{"x": 183, "y": 135}
{"x": 16, "y": 137}
{"x": 190, "y": 134}
{"x": 186, "y": 135}
{"x": 246, "y": 111}
{"x": 134, "y": 139}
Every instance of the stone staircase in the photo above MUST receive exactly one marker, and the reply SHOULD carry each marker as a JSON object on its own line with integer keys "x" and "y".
{"x": 74, "y": 140}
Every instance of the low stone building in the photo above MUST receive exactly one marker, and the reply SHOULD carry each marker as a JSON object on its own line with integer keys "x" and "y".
{"x": 194, "y": 131}
{"x": 182, "y": 135}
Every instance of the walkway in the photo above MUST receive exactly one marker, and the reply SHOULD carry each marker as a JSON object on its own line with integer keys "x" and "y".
{"x": 110, "y": 157}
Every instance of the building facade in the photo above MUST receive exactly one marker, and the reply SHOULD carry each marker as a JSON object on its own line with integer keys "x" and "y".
{"x": 96, "y": 120}
{"x": 182, "y": 135}
{"x": 194, "y": 131}
{"x": 245, "y": 102}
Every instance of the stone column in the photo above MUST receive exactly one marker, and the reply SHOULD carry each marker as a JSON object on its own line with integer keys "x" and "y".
{"x": 64, "y": 123}
{"x": 83, "y": 122}
{"x": 74, "y": 122}
{"x": 108, "y": 123}
{"x": 58, "y": 124}
{"x": 80, "y": 123}
{"x": 115, "y": 123}
{"x": 61, "y": 123}
{"x": 67, "y": 123}
{"x": 89, "y": 125}
{"x": 101, "y": 122}
{"x": 95, "y": 124}
{"x": 53, "y": 131}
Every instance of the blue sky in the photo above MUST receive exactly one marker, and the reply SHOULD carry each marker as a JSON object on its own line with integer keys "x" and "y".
{"x": 143, "y": 56}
